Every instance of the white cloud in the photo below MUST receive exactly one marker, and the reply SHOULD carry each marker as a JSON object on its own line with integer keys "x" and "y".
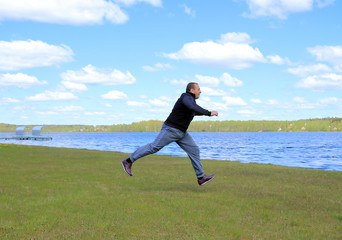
{"x": 159, "y": 103}
{"x": 188, "y": 10}
{"x": 94, "y": 113}
{"x": 93, "y": 75}
{"x": 159, "y": 111}
{"x": 230, "y": 81}
{"x": 299, "y": 100}
{"x": 235, "y": 37}
{"x": 177, "y": 82}
{"x": 61, "y": 110}
{"x": 301, "y": 103}
{"x": 338, "y": 68}
{"x": 212, "y": 92}
{"x": 167, "y": 98}
{"x": 256, "y": 100}
{"x": 155, "y": 3}
{"x": 17, "y": 55}
{"x": 74, "y": 87}
{"x": 19, "y": 80}
{"x": 204, "y": 99}
{"x": 68, "y": 108}
{"x": 329, "y": 101}
{"x": 246, "y": 112}
{"x": 281, "y": 8}
{"x": 11, "y": 100}
{"x": 207, "y": 80}
{"x": 224, "y": 105}
{"x": 136, "y": 104}
{"x": 305, "y": 105}
{"x": 276, "y": 59}
{"x": 74, "y": 12}
{"x": 52, "y": 96}
{"x": 229, "y": 52}
{"x": 323, "y": 3}
{"x": 143, "y": 96}
{"x": 8, "y": 100}
{"x": 157, "y": 67}
{"x": 216, "y": 106}
{"x": 331, "y": 54}
{"x": 272, "y": 102}
{"x": 114, "y": 95}
{"x": 321, "y": 82}
{"x": 107, "y": 105}
{"x": 18, "y": 109}
{"x": 303, "y": 71}
{"x": 234, "y": 101}
{"x": 45, "y": 113}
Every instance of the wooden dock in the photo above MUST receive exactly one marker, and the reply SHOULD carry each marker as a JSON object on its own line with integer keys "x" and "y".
{"x": 36, "y": 138}
{"x": 20, "y": 134}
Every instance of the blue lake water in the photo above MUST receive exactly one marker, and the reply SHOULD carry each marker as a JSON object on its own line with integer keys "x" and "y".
{"x": 314, "y": 150}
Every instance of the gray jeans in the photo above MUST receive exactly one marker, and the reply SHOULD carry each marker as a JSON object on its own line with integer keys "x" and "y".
{"x": 166, "y": 136}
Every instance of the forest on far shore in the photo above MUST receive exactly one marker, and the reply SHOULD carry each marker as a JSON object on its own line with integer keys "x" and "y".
{"x": 306, "y": 125}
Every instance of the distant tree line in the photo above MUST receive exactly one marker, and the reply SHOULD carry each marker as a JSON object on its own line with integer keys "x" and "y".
{"x": 307, "y": 125}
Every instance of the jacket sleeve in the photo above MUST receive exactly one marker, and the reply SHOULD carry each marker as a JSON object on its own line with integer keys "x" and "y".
{"x": 190, "y": 103}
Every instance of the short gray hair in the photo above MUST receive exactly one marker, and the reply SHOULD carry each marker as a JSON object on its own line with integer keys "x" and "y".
{"x": 190, "y": 86}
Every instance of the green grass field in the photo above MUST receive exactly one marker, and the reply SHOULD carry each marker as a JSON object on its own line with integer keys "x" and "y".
{"x": 58, "y": 193}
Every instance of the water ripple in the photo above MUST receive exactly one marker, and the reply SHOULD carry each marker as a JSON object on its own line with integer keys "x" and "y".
{"x": 306, "y": 150}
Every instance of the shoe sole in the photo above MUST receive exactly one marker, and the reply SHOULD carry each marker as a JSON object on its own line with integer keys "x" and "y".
{"x": 125, "y": 169}
{"x": 207, "y": 181}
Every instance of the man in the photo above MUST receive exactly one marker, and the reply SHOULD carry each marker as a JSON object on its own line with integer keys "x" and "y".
{"x": 175, "y": 130}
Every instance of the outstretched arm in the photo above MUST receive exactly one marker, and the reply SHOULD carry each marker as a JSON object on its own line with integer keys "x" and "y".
{"x": 190, "y": 103}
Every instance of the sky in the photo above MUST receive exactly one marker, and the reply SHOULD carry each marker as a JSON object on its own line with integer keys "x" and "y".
{"x": 105, "y": 62}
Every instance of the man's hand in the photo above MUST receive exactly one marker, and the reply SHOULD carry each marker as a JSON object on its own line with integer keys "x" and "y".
{"x": 214, "y": 113}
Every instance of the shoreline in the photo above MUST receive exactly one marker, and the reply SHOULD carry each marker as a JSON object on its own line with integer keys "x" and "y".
{"x": 180, "y": 157}
{"x": 331, "y": 124}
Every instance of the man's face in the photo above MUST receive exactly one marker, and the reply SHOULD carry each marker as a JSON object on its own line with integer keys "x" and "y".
{"x": 196, "y": 90}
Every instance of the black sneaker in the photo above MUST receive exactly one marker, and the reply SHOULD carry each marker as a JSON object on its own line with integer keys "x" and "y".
{"x": 127, "y": 166}
{"x": 205, "y": 179}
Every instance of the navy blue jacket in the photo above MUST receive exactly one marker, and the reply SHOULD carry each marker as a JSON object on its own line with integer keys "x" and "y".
{"x": 184, "y": 111}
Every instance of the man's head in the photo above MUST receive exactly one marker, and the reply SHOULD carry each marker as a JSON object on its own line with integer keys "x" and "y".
{"x": 193, "y": 88}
